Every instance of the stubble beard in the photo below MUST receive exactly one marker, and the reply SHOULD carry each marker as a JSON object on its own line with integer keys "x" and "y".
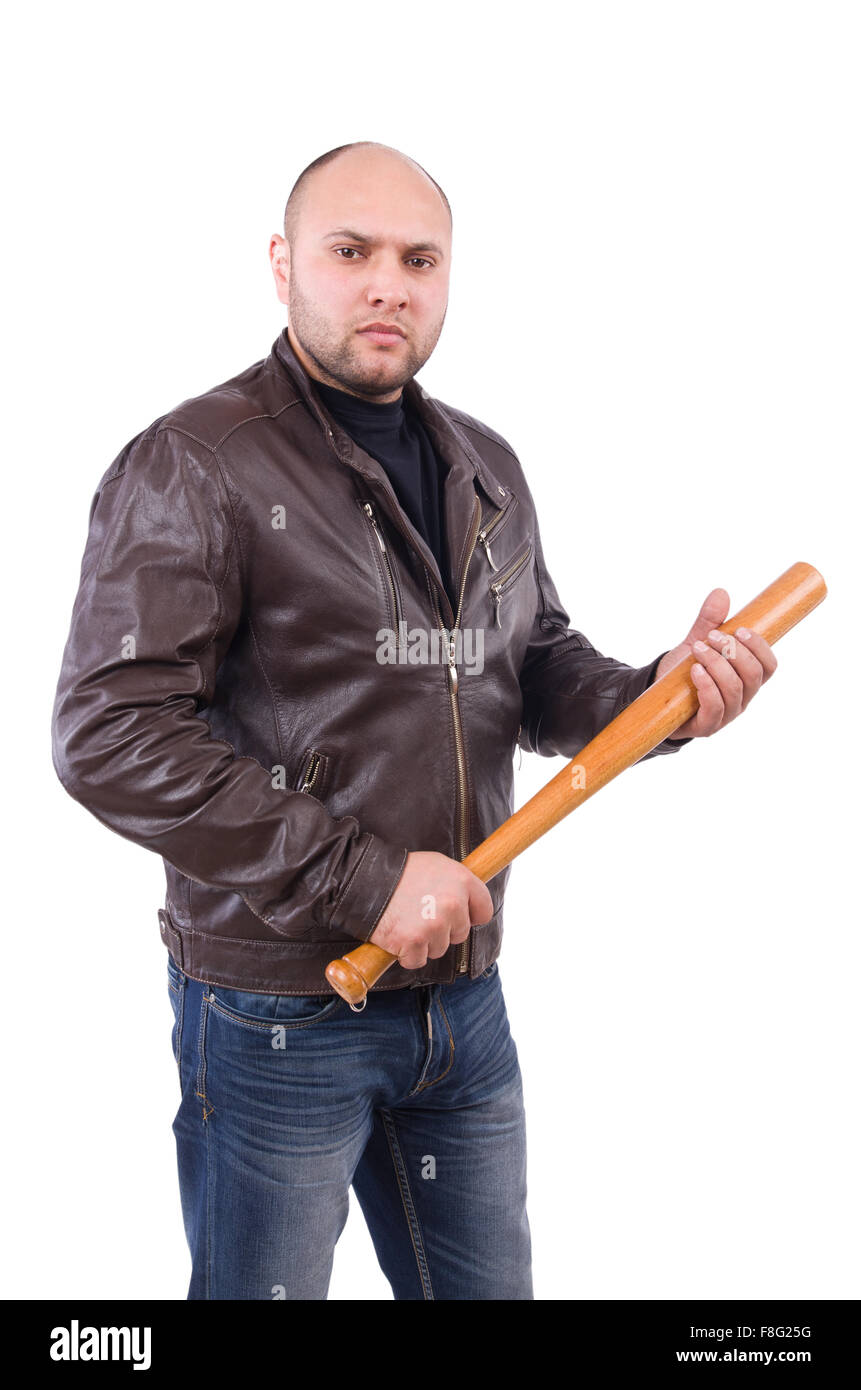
{"x": 338, "y": 354}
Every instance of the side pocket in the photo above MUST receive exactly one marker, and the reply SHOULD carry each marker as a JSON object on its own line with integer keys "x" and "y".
{"x": 313, "y": 773}
{"x": 176, "y": 984}
{"x": 262, "y": 1010}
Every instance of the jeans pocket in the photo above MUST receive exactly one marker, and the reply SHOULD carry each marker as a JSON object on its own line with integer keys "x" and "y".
{"x": 176, "y": 983}
{"x": 486, "y": 974}
{"x": 262, "y": 1010}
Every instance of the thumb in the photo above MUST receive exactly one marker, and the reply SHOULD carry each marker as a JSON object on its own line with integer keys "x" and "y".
{"x": 712, "y": 614}
{"x": 480, "y": 903}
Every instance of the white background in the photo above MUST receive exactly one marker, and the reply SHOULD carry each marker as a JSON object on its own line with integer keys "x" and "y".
{"x": 655, "y": 299}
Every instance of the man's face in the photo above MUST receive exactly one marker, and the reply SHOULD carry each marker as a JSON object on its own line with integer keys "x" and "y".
{"x": 373, "y": 246}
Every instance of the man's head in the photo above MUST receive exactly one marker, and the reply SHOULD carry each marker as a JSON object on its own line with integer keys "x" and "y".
{"x": 367, "y": 240}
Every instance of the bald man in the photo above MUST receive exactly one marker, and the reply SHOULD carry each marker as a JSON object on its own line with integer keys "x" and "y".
{"x": 251, "y": 689}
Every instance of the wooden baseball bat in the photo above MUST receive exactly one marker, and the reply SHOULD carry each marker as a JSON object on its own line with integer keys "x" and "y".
{"x": 641, "y": 726}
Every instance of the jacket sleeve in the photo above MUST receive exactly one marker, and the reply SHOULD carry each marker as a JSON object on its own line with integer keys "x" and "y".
{"x": 159, "y": 600}
{"x": 570, "y": 691}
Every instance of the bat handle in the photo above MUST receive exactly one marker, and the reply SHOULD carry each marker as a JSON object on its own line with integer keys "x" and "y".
{"x": 354, "y": 974}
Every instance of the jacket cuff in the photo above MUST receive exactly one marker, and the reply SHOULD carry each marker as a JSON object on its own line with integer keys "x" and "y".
{"x": 369, "y": 889}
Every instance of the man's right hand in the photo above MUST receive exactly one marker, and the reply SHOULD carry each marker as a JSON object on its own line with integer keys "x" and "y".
{"x": 436, "y": 903}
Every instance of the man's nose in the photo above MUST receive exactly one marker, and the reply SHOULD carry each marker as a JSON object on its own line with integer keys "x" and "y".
{"x": 388, "y": 284}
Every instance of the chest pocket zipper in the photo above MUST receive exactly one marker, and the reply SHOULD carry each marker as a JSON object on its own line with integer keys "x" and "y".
{"x": 493, "y": 527}
{"x": 509, "y": 577}
{"x": 388, "y": 571}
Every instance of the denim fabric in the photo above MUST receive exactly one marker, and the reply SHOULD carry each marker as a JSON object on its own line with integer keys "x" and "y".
{"x": 287, "y": 1100}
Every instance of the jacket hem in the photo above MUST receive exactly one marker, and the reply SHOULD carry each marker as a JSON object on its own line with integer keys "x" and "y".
{"x": 299, "y": 967}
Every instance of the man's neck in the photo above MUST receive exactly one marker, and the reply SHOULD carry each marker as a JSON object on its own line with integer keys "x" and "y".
{"x": 313, "y": 372}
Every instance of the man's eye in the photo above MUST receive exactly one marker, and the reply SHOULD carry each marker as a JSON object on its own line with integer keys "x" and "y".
{"x": 357, "y": 252}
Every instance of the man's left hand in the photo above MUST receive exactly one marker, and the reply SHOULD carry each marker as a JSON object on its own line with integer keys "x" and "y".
{"x": 728, "y": 671}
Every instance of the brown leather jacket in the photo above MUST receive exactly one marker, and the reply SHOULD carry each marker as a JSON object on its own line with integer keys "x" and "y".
{"x": 223, "y": 701}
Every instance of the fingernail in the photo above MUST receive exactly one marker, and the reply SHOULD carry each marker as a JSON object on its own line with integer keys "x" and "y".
{"x": 715, "y": 635}
{"x": 743, "y": 633}
{"x": 700, "y": 646}
{"x": 697, "y": 668}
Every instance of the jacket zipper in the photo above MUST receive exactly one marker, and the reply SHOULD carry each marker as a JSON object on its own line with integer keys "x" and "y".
{"x": 503, "y": 582}
{"x": 462, "y": 958}
{"x": 369, "y": 511}
{"x": 463, "y": 952}
{"x": 502, "y": 515}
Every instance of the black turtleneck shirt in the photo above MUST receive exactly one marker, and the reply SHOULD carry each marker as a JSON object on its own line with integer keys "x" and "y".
{"x": 393, "y": 434}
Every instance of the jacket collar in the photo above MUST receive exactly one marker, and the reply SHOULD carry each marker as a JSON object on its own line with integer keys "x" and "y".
{"x": 462, "y": 463}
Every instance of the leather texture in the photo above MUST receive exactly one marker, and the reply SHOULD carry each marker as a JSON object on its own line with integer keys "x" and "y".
{"x": 222, "y": 703}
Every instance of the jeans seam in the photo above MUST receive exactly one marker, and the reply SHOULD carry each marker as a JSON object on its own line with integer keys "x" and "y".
{"x": 266, "y": 1025}
{"x": 406, "y": 1198}
{"x": 180, "y": 1022}
{"x": 201, "y": 1093}
{"x": 201, "y": 1066}
{"x": 209, "y": 1204}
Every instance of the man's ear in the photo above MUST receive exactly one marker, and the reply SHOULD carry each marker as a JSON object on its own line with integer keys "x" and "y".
{"x": 279, "y": 258}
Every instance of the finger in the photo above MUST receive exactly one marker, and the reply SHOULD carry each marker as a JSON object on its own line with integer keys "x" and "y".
{"x": 439, "y": 943}
{"x": 410, "y": 962}
{"x": 451, "y": 931}
{"x": 757, "y": 644}
{"x": 710, "y": 715}
{"x": 725, "y": 678}
{"x": 742, "y": 660}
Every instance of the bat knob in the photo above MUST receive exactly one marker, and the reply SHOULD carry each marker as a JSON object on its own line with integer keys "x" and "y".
{"x": 347, "y": 981}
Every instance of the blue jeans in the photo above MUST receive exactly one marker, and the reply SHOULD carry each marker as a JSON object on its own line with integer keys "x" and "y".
{"x": 287, "y": 1100}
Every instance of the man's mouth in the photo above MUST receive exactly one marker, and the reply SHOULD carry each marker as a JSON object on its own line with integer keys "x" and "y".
{"x": 383, "y": 333}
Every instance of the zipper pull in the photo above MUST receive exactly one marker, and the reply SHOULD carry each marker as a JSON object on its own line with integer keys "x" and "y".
{"x": 482, "y": 536}
{"x": 497, "y": 601}
{"x": 452, "y": 664}
{"x": 370, "y": 511}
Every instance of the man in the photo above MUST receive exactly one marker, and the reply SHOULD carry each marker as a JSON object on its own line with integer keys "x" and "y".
{"x": 268, "y": 682}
